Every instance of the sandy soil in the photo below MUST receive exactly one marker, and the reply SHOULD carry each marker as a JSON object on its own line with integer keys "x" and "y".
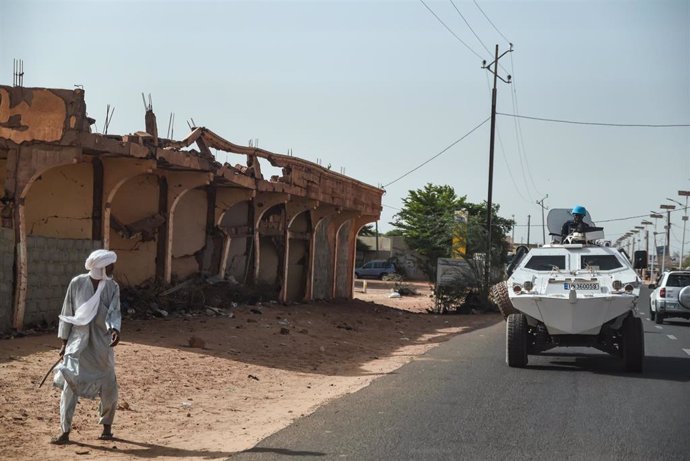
{"x": 259, "y": 370}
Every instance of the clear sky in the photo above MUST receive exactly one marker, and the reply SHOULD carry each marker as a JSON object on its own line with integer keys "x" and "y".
{"x": 378, "y": 87}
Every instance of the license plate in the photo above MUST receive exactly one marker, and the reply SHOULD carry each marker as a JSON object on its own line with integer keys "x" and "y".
{"x": 581, "y": 286}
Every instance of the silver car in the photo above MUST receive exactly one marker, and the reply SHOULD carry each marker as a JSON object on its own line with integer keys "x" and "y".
{"x": 671, "y": 296}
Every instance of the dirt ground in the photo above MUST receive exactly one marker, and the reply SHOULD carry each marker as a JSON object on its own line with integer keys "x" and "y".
{"x": 261, "y": 368}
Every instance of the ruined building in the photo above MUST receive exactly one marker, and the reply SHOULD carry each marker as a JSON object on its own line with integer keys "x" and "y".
{"x": 167, "y": 207}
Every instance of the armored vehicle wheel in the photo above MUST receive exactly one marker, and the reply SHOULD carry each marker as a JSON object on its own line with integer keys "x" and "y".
{"x": 633, "y": 344}
{"x": 499, "y": 295}
{"x": 516, "y": 340}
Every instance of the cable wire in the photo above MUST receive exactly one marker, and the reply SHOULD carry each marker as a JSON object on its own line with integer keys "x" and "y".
{"x": 574, "y": 122}
{"x": 518, "y": 131}
{"x": 449, "y": 30}
{"x": 439, "y": 154}
{"x": 470, "y": 27}
{"x": 490, "y": 22}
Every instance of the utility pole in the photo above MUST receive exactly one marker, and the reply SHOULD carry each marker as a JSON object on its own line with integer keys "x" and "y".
{"x": 541, "y": 204}
{"x": 489, "y": 204}
{"x": 656, "y": 215}
{"x": 668, "y": 209}
{"x": 512, "y": 237}
{"x": 686, "y": 194}
{"x": 528, "y": 228}
{"x": 646, "y": 223}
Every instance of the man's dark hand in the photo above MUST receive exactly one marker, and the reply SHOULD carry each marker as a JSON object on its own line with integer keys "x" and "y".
{"x": 62, "y": 350}
{"x": 115, "y": 337}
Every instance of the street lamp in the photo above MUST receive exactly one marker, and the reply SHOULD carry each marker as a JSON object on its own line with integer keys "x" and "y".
{"x": 686, "y": 194}
{"x": 646, "y": 223}
{"x": 668, "y": 209}
{"x": 634, "y": 233}
{"x": 639, "y": 231}
{"x": 655, "y": 215}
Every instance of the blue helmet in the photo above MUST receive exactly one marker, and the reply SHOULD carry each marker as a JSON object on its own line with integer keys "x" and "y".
{"x": 579, "y": 210}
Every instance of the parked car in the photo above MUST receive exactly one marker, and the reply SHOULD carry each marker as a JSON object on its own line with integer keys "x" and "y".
{"x": 375, "y": 269}
{"x": 671, "y": 296}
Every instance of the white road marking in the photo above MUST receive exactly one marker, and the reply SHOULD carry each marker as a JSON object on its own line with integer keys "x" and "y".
{"x": 671, "y": 337}
{"x": 687, "y": 351}
{"x": 659, "y": 327}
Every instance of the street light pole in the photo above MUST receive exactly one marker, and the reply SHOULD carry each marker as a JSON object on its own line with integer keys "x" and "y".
{"x": 668, "y": 209}
{"x": 646, "y": 223}
{"x": 655, "y": 215}
{"x": 489, "y": 204}
{"x": 541, "y": 204}
{"x": 686, "y": 194}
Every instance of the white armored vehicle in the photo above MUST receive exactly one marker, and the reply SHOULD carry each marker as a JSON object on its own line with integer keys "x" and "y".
{"x": 577, "y": 292}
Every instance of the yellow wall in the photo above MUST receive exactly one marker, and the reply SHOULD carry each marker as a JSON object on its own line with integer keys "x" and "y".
{"x": 189, "y": 232}
{"x": 43, "y": 116}
{"x": 136, "y": 199}
{"x": 59, "y": 203}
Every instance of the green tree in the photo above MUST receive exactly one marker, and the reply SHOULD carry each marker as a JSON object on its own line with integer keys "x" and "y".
{"x": 426, "y": 221}
{"x": 368, "y": 231}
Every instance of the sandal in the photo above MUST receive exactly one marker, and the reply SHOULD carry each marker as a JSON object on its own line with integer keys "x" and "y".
{"x": 61, "y": 439}
{"x": 106, "y": 436}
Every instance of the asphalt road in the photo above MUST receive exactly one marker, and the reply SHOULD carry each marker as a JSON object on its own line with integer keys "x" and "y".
{"x": 461, "y": 401}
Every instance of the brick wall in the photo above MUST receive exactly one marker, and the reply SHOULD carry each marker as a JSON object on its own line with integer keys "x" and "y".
{"x": 52, "y": 263}
{"x": 6, "y": 278}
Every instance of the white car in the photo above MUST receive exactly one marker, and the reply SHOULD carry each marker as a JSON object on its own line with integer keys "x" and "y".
{"x": 671, "y": 296}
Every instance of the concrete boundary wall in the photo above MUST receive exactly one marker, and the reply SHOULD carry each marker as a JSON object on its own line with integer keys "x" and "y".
{"x": 52, "y": 264}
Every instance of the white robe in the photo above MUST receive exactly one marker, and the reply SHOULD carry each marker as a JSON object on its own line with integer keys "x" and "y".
{"x": 89, "y": 363}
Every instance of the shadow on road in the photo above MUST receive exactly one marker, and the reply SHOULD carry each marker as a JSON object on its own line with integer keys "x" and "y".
{"x": 283, "y": 451}
{"x": 663, "y": 368}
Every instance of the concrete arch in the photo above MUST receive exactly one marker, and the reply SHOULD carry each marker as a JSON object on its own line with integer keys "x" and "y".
{"x": 297, "y": 257}
{"x": 117, "y": 171}
{"x": 235, "y": 223}
{"x": 271, "y": 247}
{"x": 321, "y": 255}
{"x": 134, "y": 199}
{"x": 54, "y": 230}
{"x": 186, "y": 232}
{"x": 347, "y": 253}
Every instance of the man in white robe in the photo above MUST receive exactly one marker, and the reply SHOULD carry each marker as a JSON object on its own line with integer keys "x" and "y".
{"x": 89, "y": 328}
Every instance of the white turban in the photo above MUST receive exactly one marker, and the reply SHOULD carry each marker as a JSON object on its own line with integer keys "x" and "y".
{"x": 98, "y": 261}
{"x": 95, "y": 264}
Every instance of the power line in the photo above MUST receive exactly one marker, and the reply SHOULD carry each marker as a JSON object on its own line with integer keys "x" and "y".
{"x": 449, "y": 30}
{"x": 520, "y": 139}
{"x": 505, "y": 159}
{"x": 490, "y": 22}
{"x": 470, "y": 27}
{"x": 437, "y": 155}
{"x": 573, "y": 122}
